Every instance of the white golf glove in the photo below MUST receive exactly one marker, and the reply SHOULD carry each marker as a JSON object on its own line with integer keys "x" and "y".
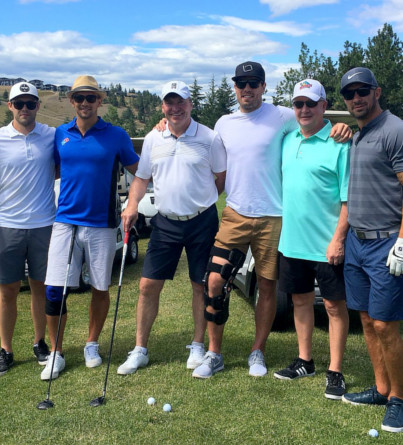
{"x": 395, "y": 258}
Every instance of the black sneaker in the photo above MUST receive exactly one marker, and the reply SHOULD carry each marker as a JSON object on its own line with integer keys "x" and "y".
{"x": 368, "y": 397}
{"x": 335, "y": 385}
{"x": 298, "y": 368}
{"x": 41, "y": 351}
{"x": 6, "y": 361}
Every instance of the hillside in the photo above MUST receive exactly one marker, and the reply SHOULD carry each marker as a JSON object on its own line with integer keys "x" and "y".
{"x": 56, "y": 110}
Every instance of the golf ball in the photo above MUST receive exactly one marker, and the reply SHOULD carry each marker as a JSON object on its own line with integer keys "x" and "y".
{"x": 167, "y": 408}
{"x": 151, "y": 401}
{"x": 373, "y": 433}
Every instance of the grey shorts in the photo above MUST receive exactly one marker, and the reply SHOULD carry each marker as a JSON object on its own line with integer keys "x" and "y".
{"x": 94, "y": 245}
{"x": 18, "y": 246}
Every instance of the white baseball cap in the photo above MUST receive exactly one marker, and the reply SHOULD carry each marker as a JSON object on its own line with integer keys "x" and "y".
{"x": 176, "y": 87}
{"x": 310, "y": 88}
{"x": 21, "y": 88}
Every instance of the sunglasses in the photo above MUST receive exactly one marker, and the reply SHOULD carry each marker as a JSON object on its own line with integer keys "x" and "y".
{"x": 300, "y": 104}
{"x": 80, "y": 98}
{"x": 19, "y": 104}
{"x": 362, "y": 92}
{"x": 241, "y": 84}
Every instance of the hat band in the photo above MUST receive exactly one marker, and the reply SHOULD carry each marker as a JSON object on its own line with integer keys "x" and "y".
{"x": 86, "y": 88}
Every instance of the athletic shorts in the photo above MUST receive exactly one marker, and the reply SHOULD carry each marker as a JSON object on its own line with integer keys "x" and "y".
{"x": 94, "y": 245}
{"x": 169, "y": 237}
{"x": 298, "y": 276}
{"x": 261, "y": 234}
{"x": 369, "y": 285}
{"x": 18, "y": 246}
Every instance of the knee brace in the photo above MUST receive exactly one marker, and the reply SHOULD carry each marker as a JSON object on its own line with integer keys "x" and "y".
{"x": 228, "y": 272}
{"x": 54, "y": 299}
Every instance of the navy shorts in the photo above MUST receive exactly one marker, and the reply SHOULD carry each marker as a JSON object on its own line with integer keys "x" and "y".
{"x": 297, "y": 276}
{"x": 369, "y": 285}
{"x": 18, "y": 246}
{"x": 169, "y": 237}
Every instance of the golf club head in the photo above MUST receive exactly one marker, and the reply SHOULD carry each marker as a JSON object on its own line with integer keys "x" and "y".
{"x": 98, "y": 401}
{"x": 46, "y": 404}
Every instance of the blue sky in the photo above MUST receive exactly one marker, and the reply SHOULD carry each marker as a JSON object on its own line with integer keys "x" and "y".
{"x": 145, "y": 43}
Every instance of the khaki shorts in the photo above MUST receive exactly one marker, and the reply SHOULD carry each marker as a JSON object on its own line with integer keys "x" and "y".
{"x": 261, "y": 234}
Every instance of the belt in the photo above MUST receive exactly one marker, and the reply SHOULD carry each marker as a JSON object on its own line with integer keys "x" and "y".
{"x": 373, "y": 234}
{"x": 184, "y": 217}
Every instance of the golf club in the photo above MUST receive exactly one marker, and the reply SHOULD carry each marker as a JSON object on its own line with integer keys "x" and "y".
{"x": 100, "y": 400}
{"x": 47, "y": 403}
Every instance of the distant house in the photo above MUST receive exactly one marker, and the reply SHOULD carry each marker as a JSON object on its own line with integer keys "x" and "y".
{"x": 5, "y": 81}
{"x": 37, "y": 83}
{"x": 49, "y": 87}
{"x": 63, "y": 88}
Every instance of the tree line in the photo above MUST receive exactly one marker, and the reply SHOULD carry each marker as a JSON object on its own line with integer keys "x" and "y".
{"x": 383, "y": 55}
{"x": 142, "y": 110}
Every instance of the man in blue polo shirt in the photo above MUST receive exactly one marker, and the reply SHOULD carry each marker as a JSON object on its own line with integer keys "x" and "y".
{"x": 315, "y": 178}
{"x": 374, "y": 245}
{"x": 88, "y": 151}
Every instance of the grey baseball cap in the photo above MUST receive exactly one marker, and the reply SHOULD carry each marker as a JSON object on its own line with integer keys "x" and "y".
{"x": 358, "y": 75}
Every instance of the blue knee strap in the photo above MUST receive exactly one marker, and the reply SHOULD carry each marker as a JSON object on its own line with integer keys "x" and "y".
{"x": 54, "y": 298}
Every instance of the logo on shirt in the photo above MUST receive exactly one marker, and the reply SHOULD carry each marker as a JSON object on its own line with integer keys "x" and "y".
{"x": 65, "y": 140}
{"x": 304, "y": 85}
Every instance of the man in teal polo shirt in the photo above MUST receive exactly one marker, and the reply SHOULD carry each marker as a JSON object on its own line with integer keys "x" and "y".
{"x": 315, "y": 178}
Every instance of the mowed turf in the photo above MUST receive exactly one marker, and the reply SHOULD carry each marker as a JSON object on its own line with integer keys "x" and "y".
{"x": 230, "y": 408}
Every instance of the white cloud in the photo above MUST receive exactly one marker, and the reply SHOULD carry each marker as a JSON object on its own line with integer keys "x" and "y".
{"x": 280, "y": 7}
{"x": 212, "y": 40}
{"x": 61, "y": 56}
{"x": 371, "y": 18}
{"x": 288, "y": 28}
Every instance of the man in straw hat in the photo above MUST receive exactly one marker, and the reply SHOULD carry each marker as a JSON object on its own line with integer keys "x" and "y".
{"x": 88, "y": 151}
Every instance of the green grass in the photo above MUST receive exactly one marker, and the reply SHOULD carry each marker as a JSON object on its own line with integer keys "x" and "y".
{"x": 230, "y": 408}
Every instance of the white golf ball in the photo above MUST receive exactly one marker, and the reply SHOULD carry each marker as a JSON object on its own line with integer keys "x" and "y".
{"x": 167, "y": 408}
{"x": 373, "y": 433}
{"x": 151, "y": 401}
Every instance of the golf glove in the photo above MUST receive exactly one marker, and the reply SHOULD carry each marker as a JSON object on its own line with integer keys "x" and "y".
{"x": 395, "y": 258}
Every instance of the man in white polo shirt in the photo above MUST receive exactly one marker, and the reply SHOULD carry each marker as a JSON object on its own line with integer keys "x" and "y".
{"x": 187, "y": 163}
{"x": 27, "y": 212}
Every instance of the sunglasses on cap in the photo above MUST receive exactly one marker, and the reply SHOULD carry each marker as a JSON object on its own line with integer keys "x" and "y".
{"x": 362, "y": 92}
{"x": 241, "y": 84}
{"x": 300, "y": 104}
{"x": 80, "y": 98}
{"x": 19, "y": 104}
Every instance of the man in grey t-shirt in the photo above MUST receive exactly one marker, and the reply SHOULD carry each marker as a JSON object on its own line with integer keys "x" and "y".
{"x": 374, "y": 246}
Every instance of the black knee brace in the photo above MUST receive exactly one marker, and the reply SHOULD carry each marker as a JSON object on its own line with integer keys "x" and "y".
{"x": 227, "y": 271}
{"x": 54, "y": 298}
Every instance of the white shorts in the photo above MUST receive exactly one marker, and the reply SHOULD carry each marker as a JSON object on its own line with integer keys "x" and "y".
{"x": 94, "y": 245}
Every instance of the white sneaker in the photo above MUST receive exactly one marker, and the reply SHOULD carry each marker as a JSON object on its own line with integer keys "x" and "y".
{"x": 91, "y": 355}
{"x": 257, "y": 366}
{"x": 135, "y": 359}
{"x": 57, "y": 367}
{"x": 196, "y": 355}
{"x": 211, "y": 364}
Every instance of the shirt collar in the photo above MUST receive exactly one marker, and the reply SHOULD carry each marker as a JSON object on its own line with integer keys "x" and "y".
{"x": 99, "y": 125}
{"x": 14, "y": 133}
{"x": 191, "y": 130}
{"x": 323, "y": 133}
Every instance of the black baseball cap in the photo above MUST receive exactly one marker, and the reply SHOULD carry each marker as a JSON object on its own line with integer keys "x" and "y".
{"x": 249, "y": 69}
{"x": 358, "y": 75}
